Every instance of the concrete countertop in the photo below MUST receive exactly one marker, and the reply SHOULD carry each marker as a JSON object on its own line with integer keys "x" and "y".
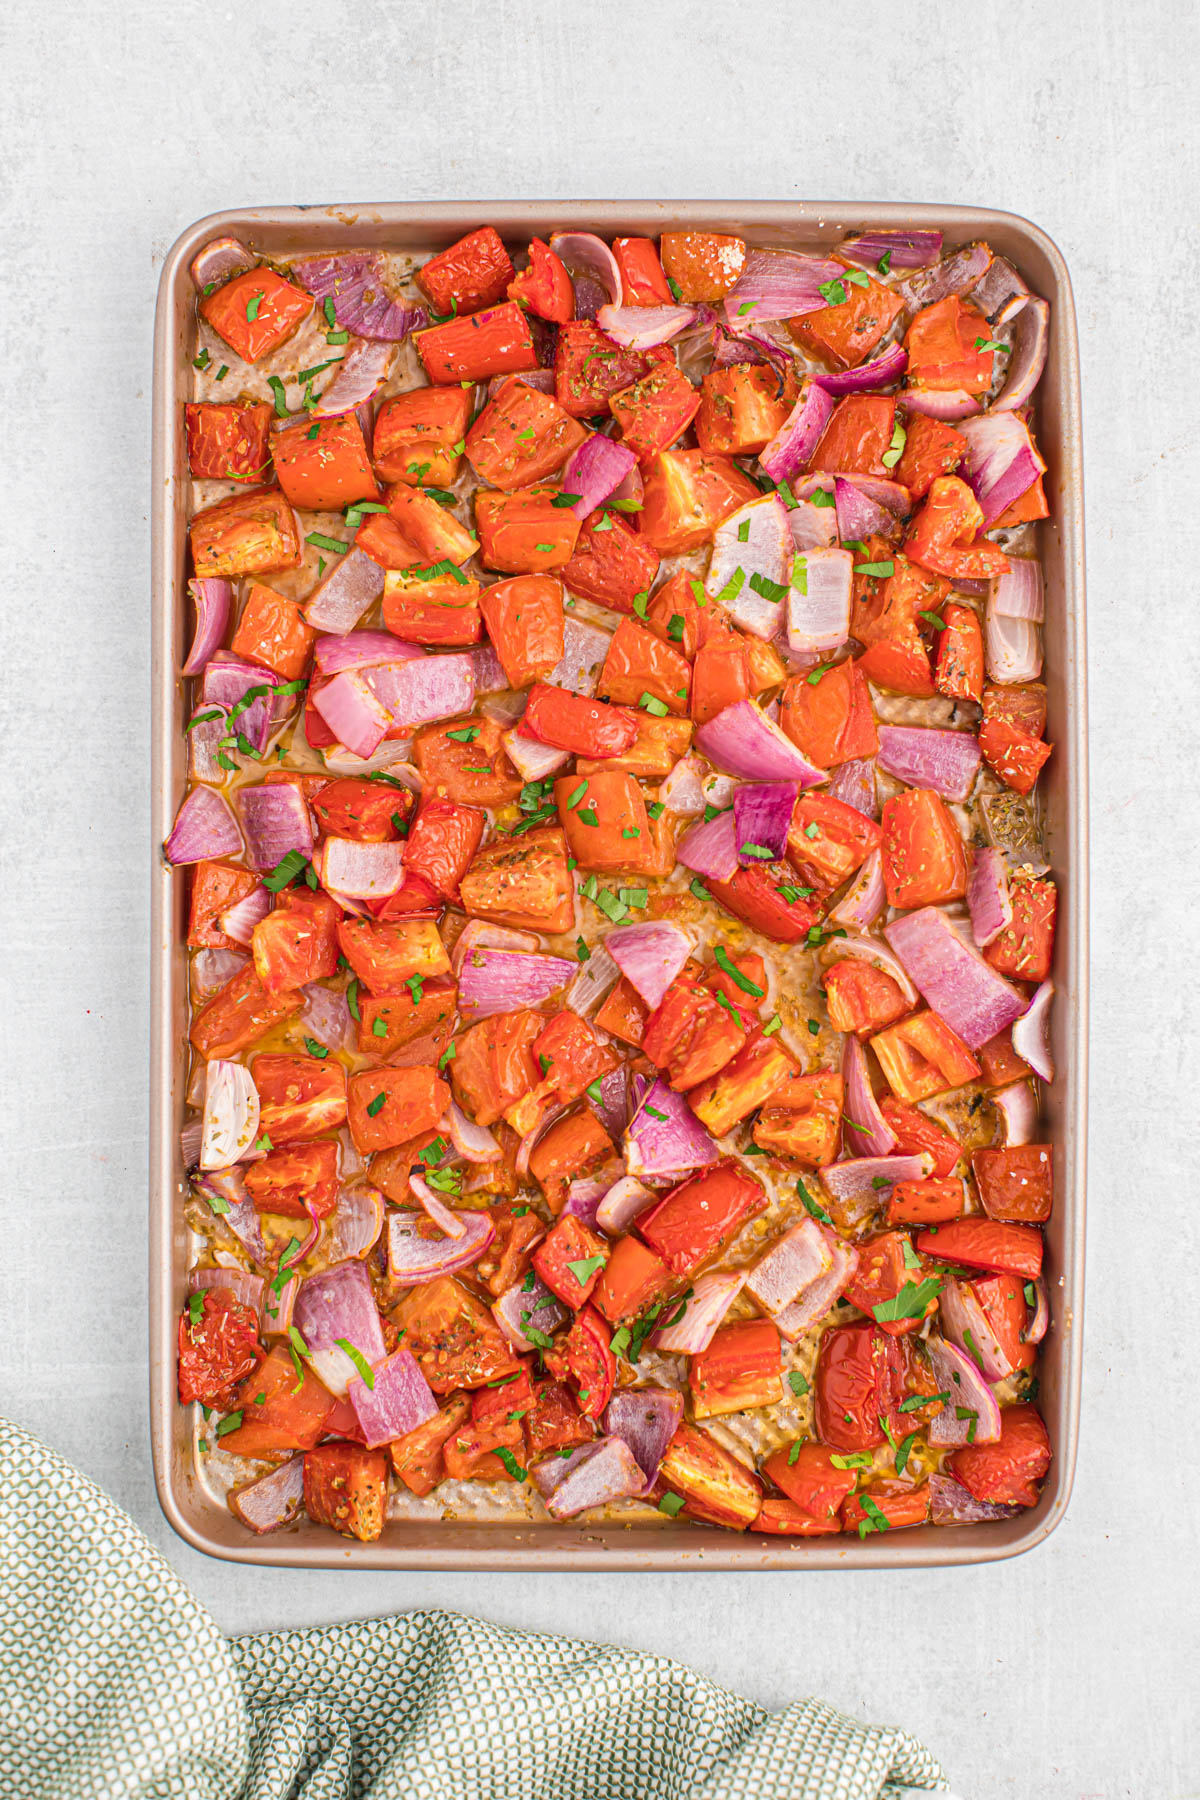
{"x": 1067, "y": 1674}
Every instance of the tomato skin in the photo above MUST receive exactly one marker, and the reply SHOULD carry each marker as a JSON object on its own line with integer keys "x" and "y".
{"x": 241, "y": 1012}
{"x": 554, "y": 1422}
{"x": 295, "y": 943}
{"x": 1015, "y": 756}
{"x": 413, "y": 1101}
{"x": 569, "y": 1241}
{"x": 589, "y": 367}
{"x": 941, "y": 347}
{"x": 742, "y": 407}
{"x": 1020, "y": 703}
{"x": 507, "y": 1259}
{"x": 639, "y": 663}
{"x": 624, "y": 1013}
{"x": 687, "y": 493}
{"x": 857, "y": 436}
{"x": 690, "y": 1035}
{"x": 986, "y": 1244}
{"x": 524, "y": 618}
{"x": 921, "y": 1056}
{"x": 715, "y": 1486}
{"x": 618, "y": 804}
{"x": 474, "y": 772}
{"x": 610, "y": 563}
{"x": 290, "y": 1415}
{"x": 931, "y": 448}
{"x": 695, "y": 1220}
{"x": 810, "y": 1480}
{"x": 326, "y": 470}
{"x": 432, "y": 609}
{"x": 924, "y": 859}
{"x": 900, "y": 1504}
{"x": 631, "y": 1281}
{"x": 642, "y": 280}
{"x": 917, "y": 1134}
{"x": 802, "y": 1119}
{"x": 959, "y": 671}
{"x": 859, "y": 1373}
{"x": 524, "y": 533}
{"x": 299, "y": 1096}
{"x": 362, "y": 810}
{"x": 471, "y": 274}
{"x": 416, "y": 435}
{"x": 1016, "y": 1182}
{"x": 656, "y": 410}
{"x": 521, "y": 437}
{"x": 216, "y": 1352}
{"x": 441, "y": 842}
{"x": 783, "y": 1518}
{"x": 942, "y": 536}
{"x": 589, "y": 1362}
{"x": 545, "y": 286}
{"x": 417, "y": 1456}
{"x": 831, "y": 720}
{"x": 228, "y": 442}
{"x": 676, "y": 617}
{"x": 1024, "y": 950}
{"x": 345, "y": 1488}
{"x": 453, "y": 1336}
{"x": 704, "y": 265}
{"x": 739, "y": 1370}
{"x": 572, "y": 722}
{"x": 272, "y": 631}
{"x": 248, "y": 534}
{"x": 497, "y": 341}
{"x": 216, "y": 887}
{"x": 572, "y": 1055}
{"x": 931, "y": 1202}
{"x": 845, "y": 334}
{"x": 746, "y": 1082}
{"x": 753, "y": 895}
{"x": 281, "y": 308}
{"x": 1006, "y": 1472}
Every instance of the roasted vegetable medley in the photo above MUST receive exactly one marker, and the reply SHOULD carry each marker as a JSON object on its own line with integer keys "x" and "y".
{"x": 619, "y": 927}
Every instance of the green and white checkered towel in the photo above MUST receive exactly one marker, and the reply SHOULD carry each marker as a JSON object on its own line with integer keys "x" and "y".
{"x": 114, "y": 1683}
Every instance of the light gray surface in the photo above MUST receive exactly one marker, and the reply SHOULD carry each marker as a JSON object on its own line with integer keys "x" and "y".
{"x": 1067, "y": 1674}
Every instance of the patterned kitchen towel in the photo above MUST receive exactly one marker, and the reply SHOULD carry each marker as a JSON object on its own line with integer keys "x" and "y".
{"x": 116, "y": 1684}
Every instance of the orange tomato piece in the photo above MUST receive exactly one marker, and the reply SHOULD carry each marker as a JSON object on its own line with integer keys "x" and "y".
{"x": 959, "y": 672}
{"x": 282, "y": 1410}
{"x": 943, "y": 348}
{"x": 298, "y": 1181}
{"x": 739, "y": 1371}
{"x": 932, "y": 1202}
{"x": 256, "y": 312}
{"x": 746, "y": 1082}
{"x": 465, "y": 760}
{"x": 703, "y": 265}
{"x": 497, "y": 341}
{"x": 861, "y": 998}
{"x": 389, "y": 1021}
{"x": 687, "y": 494}
{"x": 642, "y": 279}
{"x": 697, "y": 1219}
{"x": 801, "y": 1120}
{"x": 1015, "y": 1182}
{"x": 943, "y": 535}
{"x": 419, "y": 436}
{"x": 857, "y": 435}
{"x": 389, "y": 1106}
{"x": 590, "y": 367}
{"x": 924, "y": 859}
{"x": 656, "y": 410}
{"x": 922, "y": 1056}
{"x": 521, "y": 437}
{"x": 216, "y": 887}
{"x": 931, "y": 448}
{"x": 610, "y": 562}
{"x": 639, "y": 663}
{"x": 441, "y": 842}
{"x": 324, "y": 464}
{"x": 239, "y": 1014}
{"x": 524, "y": 618}
{"x": 620, "y": 840}
{"x": 386, "y": 956}
{"x": 846, "y": 332}
{"x": 715, "y": 1486}
{"x": 1024, "y": 949}
{"x": 493, "y": 1064}
{"x": 632, "y": 1280}
{"x": 830, "y": 719}
{"x": 524, "y": 533}
{"x": 523, "y": 882}
{"x": 272, "y": 632}
{"x": 741, "y": 409}
{"x": 453, "y": 1336}
{"x": 247, "y": 534}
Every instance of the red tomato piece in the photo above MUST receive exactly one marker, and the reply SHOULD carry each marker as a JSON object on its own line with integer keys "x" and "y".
{"x": 570, "y": 1259}
{"x": 1005, "y": 1473}
{"x": 386, "y": 956}
{"x": 299, "y": 1096}
{"x": 802, "y": 1119}
{"x": 887, "y": 1287}
{"x": 248, "y": 534}
{"x": 545, "y": 286}
{"x": 589, "y": 367}
{"x": 942, "y": 536}
{"x": 632, "y": 1280}
{"x": 619, "y": 840}
{"x": 216, "y": 887}
{"x": 931, "y": 448}
{"x": 986, "y": 1244}
{"x": 419, "y": 436}
{"x": 610, "y": 562}
{"x": 441, "y": 842}
{"x": 241, "y": 1012}
{"x": 742, "y": 407}
{"x": 364, "y": 810}
{"x": 959, "y": 673}
{"x": 497, "y": 341}
{"x": 282, "y": 1409}
{"x": 766, "y": 897}
{"x": 300, "y": 1181}
{"x": 932, "y": 1202}
{"x": 324, "y": 464}
{"x": 465, "y": 760}
{"x": 524, "y": 618}
{"x": 921, "y": 1056}
{"x": 228, "y": 442}
{"x": 828, "y": 841}
{"x": 389, "y": 1106}
{"x": 524, "y": 882}
{"x": 471, "y": 274}
{"x": 256, "y": 311}
{"x": 686, "y": 495}
{"x": 1016, "y": 757}
{"x": 1015, "y": 1182}
{"x": 345, "y": 1488}
{"x": 861, "y": 998}
{"x": 830, "y": 719}
{"x": 1025, "y": 948}
{"x": 656, "y": 410}
{"x": 943, "y": 344}
{"x": 639, "y": 663}
{"x": 918, "y": 1135}
{"x": 272, "y": 631}
{"x": 845, "y": 332}
{"x": 857, "y": 436}
{"x": 572, "y": 722}
{"x": 453, "y": 1336}
{"x": 715, "y": 1486}
{"x": 808, "y": 1475}
{"x": 858, "y": 1381}
{"x": 218, "y": 1345}
{"x": 897, "y": 1503}
{"x": 521, "y": 437}
{"x": 697, "y": 1219}
{"x": 703, "y": 265}
{"x": 924, "y": 859}
{"x": 739, "y": 1370}
{"x": 587, "y": 1361}
{"x": 642, "y": 280}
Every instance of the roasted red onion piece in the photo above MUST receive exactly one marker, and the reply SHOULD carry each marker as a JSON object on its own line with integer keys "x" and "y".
{"x": 397, "y": 1401}
{"x": 361, "y": 302}
{"x": 778, "y": 284}
{"x": 645, "y": 1419}
{"x": 212, "y": 597}
{"x": 666, "y": 1138}
{"x": 1031, "y": 1033}
{"x": 219, "y": 261}
{"x": 904, "y": 249}
{"x": 867, "y": 1131}
{"x": 927, "y": 757}
{"x": 650, "y": 956}
{"x": 742, "y": 741}
{"x": 204, "y": 827}
{"x": 416, "y": 1253}
{"x": 883, "y": 371}
{"x": 953, "y": 978}
{"x": 339, "y": 602}
{"x": 273, "y": 1501}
